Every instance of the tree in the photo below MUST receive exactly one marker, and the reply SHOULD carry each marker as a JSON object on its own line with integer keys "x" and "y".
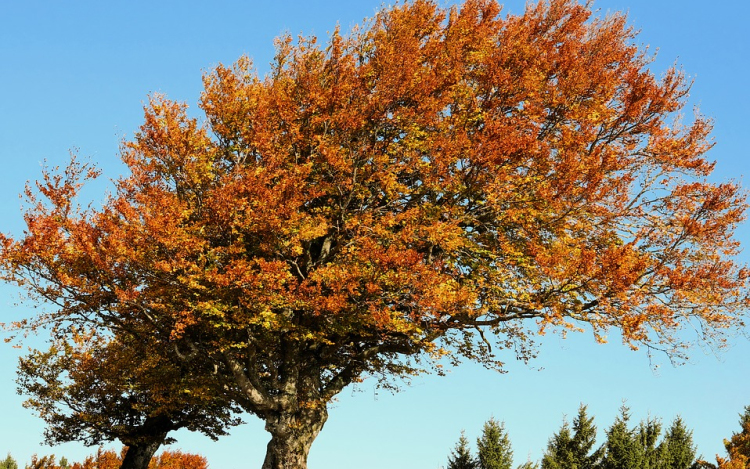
{"x": 95, "y": 389}
{"x": 460, "y": 457}
{"x": 566, "y": 451}
{"x": 623, "y": 448}
{"x": 8, "y": 463}
{"x": 677, "y": 450}
{"x": 493, "y": 447}
{"x": 738, "y": 446}
{"x": 440, "y": 183}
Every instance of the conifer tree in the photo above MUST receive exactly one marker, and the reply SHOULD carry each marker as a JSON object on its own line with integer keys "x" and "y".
{"x": 528, "y": 465}
{"x": 8, "y": 463}
{"x": 622, "y": 449}
{"x": 494, "y": 447}
{"x": 568, "y": 450}
{"x": 460, "y": 457}
{"x": 677, "y": 450}
{"x": 646, "y": 436}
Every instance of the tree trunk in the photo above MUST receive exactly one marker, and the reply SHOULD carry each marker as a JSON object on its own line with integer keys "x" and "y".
{"x": 145, "y": 441}
{"x": 291, "y": 437}
{"x": 139, "y": 456}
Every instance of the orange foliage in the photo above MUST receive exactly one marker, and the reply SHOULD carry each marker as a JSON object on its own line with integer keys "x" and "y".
{"x": 108, "y": 459}
{"x": 738, "y": 447}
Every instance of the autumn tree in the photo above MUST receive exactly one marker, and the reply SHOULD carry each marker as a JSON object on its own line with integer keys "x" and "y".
{"x": 738, "y": 446}
{"x": 460, "y": 457}
{"x": 95, "y": 389}
{"x": 441, "y": 183}
{"x": 109, "y": 459}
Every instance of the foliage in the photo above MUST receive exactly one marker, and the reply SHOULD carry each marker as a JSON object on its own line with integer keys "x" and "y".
{"x": 493, "y": 447}
{"x": 8, "y": 463}
{"x": 93, "y": 389}
{"x": 109, "y": 459}
{"x": 437, "y": 183}
{"x": 572, "y": 451}
{"x": 461, "y": 457}
{"x": 677, "y": 448}
{"x": 738, "y": 446}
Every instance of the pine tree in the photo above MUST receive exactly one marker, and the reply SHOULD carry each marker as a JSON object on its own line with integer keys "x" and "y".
{"x": 677, "y": 450}
{"x": 528, "y": 465}
{"x": 558, "y": 455}
{"x": 461, "y": 457}
{"x": 572, "y": 451}
{"x": 494, "y": 447}
{"x": 8, "y": 463}
{"x": 622, "y": 449}
{"x": 646, "y": 436}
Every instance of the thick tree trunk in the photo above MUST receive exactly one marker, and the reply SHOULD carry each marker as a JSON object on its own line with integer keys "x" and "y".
{"x": 291, "y": 437}
{"x": 145, "y": 441}
{"x": 139, "y": 456}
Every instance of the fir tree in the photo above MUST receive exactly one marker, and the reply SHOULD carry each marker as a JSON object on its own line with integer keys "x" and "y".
{"x": 461, "y": 457}
{"x": 567, "y": 450}
{"x": 528, "y": 465}
{"x": 8, "y": 463}
{"x": 494, "y": 447}
{"x": 646, "y": 437}
{"x": 622, "y": 449}
{"x": 677, "y": 449}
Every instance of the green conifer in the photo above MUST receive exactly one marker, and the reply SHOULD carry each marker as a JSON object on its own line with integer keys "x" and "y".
{"x": 677, "y": 449}
{"x": 461, "y": 457}
{"x": 572, "y": 450}
{"x": 622, "y": 450}
{"x": 8, "y": 463}
{"x": 494, "y": 447}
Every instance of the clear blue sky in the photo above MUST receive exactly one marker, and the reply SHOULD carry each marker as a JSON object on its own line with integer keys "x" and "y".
{"x": 75, "y": 74}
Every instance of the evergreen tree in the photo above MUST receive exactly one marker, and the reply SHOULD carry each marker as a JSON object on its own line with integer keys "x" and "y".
{"x": 461, "y": 457}
{"x": 8, "y": 463}
{"x": 494, "y": 447}
{"x": 528, "y": 465}
{"x": 558, "y": 455}
{"x": 622, "y": 450}
{"x": 677, "y": 450}
{"x": 567, "y": 450}
{"x": 646, "y": 437}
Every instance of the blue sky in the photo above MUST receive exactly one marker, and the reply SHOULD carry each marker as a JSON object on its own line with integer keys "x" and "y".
{"x": 75, "y": 75}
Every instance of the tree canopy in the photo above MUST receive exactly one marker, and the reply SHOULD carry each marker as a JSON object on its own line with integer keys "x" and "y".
{"x": 438, "y": 183}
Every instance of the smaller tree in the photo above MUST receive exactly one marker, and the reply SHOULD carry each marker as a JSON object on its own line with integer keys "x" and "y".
{"x": 460, "y": 457}
{"x": 94, "y": 389}
{"x": 738, "y": 446}
{"x": 621, "y": 450}
{"x": 567, "y": 450}
{"x": 528, "y": 465}
{"x": 677, "y": 450}
{"x": 494, "y": 447}
{"x": 8, "y": 463}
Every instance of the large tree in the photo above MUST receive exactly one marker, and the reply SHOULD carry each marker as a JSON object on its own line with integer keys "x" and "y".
{"x": 439, "y": 183}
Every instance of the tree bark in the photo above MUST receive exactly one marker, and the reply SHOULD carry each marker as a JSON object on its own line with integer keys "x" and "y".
{"x": 145, "y": 441}
{"x": 139, "y": 456}
{"x": 292, "y": 434}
